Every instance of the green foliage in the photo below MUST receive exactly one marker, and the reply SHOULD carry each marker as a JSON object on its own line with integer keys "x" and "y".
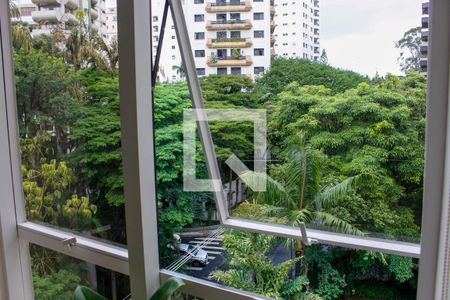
{"x": 46, "y": 95}
{"x": 284, "y": 71}
{"x": 46, "y": 186}
{"x": 57, "y": 285}
{"x": 96, "y": 134}
{"x": 401, "y": 267}
{"x": 376, "y": 129}
{"x": 251, "y": 269}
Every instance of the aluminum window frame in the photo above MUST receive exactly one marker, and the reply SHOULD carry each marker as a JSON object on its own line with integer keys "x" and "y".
{"x": 134, "y": 45}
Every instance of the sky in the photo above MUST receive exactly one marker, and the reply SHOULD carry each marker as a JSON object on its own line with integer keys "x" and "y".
{"x": 360, "y": 35}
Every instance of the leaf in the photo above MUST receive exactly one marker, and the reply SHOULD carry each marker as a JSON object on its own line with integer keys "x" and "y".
{"x": 167, "y": 289}
{"x": 85, "y": 293}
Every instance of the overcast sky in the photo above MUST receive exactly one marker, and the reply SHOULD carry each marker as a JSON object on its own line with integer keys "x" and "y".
{"x": 359, "y": 34}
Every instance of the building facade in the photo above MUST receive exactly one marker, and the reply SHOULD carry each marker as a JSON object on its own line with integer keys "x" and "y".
{"x": 48, "y": 13}
{"x": 297, "y": 32}
{"x": 425, "y": 33}
{"x": 227, "y": 37}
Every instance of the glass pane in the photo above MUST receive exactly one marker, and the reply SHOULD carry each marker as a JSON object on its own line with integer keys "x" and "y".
{"x": 344, "y": 101}
{"x": 56, "y": 276}
{"x": 345, "y": 139}
{"x": 68, "y": 112}
{"x": 284, "y": 269}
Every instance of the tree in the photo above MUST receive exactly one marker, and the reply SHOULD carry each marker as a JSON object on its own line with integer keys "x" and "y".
{"x": 181, "y": 72}
{"x": 284, "y": 71}
{"x": 46, "y": 96}
{"x": 324, "y": 57}
{"x": 376, "y": 129}
{"x": 251, "y": 269}
{"x": 409, "y": 46}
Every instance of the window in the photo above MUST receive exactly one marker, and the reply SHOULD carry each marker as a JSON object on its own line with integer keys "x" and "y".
{"x": 329, "y": 125}
{"x": 235, "y": 16}
{"x": 235, "y": 34}
{"x": 258, "y": 34}
{"x": 155, "y": 28}
{"x": 258, "y": 0}
{"x": 236, "y": 70}
{"x": 26, "y": 11}
{"x": 221, "y": 34}
{"x": 199, "y": 35}
{"x": 199, "y": 1}
{"x": 258, "y": 51}
{"x": 200, "y": 71}
{"x": 258, "y": 70}
{"x": 199, "y": 18}
{"x": 155, "y": 18}
{"x": 173, "y": 57}
{"x": 258, "y": 16}
{"x": 221, "y": 17}
{"x": 221, "y": 71}
{"x": 199, "y": 53}
{"x": 173, "y": 46}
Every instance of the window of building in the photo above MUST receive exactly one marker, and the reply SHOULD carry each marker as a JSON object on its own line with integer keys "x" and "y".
{"x": 258, "y": 51}
{"x": 221, "y": 17}
{"x": 155, "y": 18}
{"x": 199, "y": 53}
{"x": 199, "y": 35}
{"x": 235, "y": 34}
{"x": 155, "y": 28}
{"x": 258, "y": 0}
{"x": 221, "y": 71}
{"x": 199, "y": 18}
{"x": 199, "y": 1}
{"x": 258, "y": 70}
{"x": 201, "y": 71}
{"x": 221, "y": 34}
{"x": 235, "y": 16}
{"x": 258, "y": 34}
{"x": 236, "y": 70}
{"x": 173, "y": 46}
{"x": 258, "y": 16}
{"x": 26, "y": 11}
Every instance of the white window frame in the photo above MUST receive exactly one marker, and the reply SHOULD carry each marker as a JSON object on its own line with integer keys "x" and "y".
{"x": 141, "y": 260}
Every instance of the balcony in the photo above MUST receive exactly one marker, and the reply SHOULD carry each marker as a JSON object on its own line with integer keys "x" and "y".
{"x": 316, "y": 3}
{"x": 239, "y": 61}
{"x": 424, "y": 49}
{"x": 424, "y": 22}
{"x": 229, "y": 43}
{"x": 425, "y": 8}
{"x": 424, "y": 35}
{"x": 316, "y": 31}
{"x": 229, "y": 25}
{"x": 70, "y": 4}
{"x": 53, "y": 17}
{"x": 228, "y": 6}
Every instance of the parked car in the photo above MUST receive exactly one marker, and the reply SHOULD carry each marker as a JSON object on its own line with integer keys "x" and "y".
{"x": 197, "y": 256}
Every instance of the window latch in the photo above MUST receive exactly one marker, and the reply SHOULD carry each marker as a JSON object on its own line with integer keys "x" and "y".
{"x": 69, "y": 242}
{"x": 305, "y": 239}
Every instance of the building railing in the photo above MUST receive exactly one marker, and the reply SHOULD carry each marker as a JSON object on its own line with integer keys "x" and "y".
{"x": 228, "y": 6}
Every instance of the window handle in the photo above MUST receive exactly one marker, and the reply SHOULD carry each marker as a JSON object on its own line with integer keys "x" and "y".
{"x": 305, "y": 239}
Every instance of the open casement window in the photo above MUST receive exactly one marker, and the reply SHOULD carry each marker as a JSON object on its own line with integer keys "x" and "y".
{"x": 242, "y": 193}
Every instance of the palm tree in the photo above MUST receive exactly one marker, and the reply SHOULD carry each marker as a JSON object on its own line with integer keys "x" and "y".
{"x": 21, "y": 37}
{"x": 180, "y": 70}
{"x": 298, "y": 196}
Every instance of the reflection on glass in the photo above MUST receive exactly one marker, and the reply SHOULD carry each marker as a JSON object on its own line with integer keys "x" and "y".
{"x": 56, "y": 276}
{"x": 68, "y": 112}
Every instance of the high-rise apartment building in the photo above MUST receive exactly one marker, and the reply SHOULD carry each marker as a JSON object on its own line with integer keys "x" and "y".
{"x": 297, "y": 31}
{"x": 425, "y": 31}
{"x": 111, "y": 23}
{"x": 47, "y": 13}
{"x": 227, "y": 37}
